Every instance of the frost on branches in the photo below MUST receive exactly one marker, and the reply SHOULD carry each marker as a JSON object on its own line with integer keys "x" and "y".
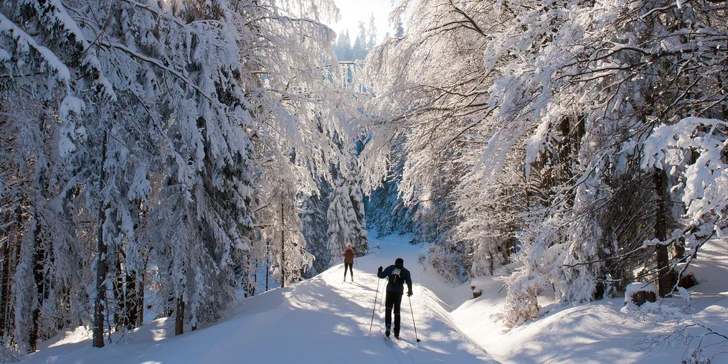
{"x": 548, "y": 142}
{"x": 137, "y": 135}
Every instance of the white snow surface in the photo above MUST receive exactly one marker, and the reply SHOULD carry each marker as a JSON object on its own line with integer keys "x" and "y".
{"x": 324, "y": 320}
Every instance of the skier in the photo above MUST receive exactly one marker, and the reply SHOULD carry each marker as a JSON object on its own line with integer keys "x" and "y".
{"x": 397, "y": 275}
{"x": 349, "y": 261}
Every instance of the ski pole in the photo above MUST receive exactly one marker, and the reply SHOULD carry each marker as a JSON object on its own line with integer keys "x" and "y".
{"x": 413, "y": 318}
{"x": 375, "y": 307}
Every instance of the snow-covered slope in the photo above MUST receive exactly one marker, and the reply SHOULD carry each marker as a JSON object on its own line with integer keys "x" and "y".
{"x": 605, "y": 331}
{"x": 321, "y": 320}
{"x": 324, "y": 320}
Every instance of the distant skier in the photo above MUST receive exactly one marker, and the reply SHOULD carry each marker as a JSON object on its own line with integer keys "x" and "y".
{"x": 397, "y": 275}
{"x": 349, "y": 261}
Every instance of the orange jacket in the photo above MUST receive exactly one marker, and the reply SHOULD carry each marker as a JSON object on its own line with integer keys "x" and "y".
{"x": 349, "y": 256}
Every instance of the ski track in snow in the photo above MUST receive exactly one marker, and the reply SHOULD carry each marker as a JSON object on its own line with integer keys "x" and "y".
{"x": 321, "y": 320}
{"x": 400, "y": 349}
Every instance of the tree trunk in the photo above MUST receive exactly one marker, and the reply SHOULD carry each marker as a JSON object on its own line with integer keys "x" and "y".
{"x": 137, "y": 297}
{"x": 120, "y": 318}
{"x": 39, "y": 278}
{"x": 140, "y": 295}
{"x": 130, "y": 300}
{"x": 101, "y": 268}
{"x": 180, "y": 319}
{"x": 666, "y": 275}
{"x": 283, "y": 248}
{"x": 5, "y": 287}
{"x": 171, "y": 301}
{"x": 100, "y": 302}
{"x": 8, "y": 261}
{"x": 724, "y": 107}
{"x": 4, "y": 280}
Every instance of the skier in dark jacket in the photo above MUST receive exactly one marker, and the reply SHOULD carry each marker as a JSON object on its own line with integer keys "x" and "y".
{"x": 397, "y": 275}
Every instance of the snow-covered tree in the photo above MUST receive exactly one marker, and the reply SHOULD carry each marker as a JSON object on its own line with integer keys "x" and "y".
{"x": 359, "y": 49}
{"x": 346, "y": 214}
{"x": 299, "y": 111}
{"x": 435, "y": 109}
{"x": 399, "y": 32}
{"x": 343, "y": 47}
{"x": 132, "y": 99}
{"x": 49, "y": 71}
{"x": 315, "y": 224}
{"x": 371, "y": 34}
{"x": 282, "y": 229}
{"x": 536, "y": 115}
{"x": 386, "y": 212}
{"x": 135, "y": 146}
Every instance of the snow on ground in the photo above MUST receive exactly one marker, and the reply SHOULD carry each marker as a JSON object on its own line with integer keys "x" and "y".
{"x": 606, "y": 331}
{"x": 323, "y": 320}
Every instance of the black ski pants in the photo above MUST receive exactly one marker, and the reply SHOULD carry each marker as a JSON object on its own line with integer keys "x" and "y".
{"x": 350, "y": 267}
{"x": 393, "y": 301}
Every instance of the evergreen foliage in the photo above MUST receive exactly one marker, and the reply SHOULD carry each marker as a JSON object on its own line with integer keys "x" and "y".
{"x": 160, "y": 150}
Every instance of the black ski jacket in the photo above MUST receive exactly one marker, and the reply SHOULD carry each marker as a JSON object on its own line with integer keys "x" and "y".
{"x": 403, "y": 272}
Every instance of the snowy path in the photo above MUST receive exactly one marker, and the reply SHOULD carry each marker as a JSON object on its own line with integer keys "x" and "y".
{"x": 322, "y": 320}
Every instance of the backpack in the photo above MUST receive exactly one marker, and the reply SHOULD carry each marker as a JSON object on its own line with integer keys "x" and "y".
{"x": 395, "y": 277}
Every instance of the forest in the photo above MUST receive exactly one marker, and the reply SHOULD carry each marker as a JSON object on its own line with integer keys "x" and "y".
{"x": 163, "y": 154}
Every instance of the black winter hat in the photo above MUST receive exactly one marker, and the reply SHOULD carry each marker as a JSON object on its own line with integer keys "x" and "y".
{"x": 398, "y": 261}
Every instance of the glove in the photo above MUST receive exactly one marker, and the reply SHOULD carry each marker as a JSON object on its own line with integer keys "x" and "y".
{"x": 380, "y": 269}
{"x": 409, "y": 293}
